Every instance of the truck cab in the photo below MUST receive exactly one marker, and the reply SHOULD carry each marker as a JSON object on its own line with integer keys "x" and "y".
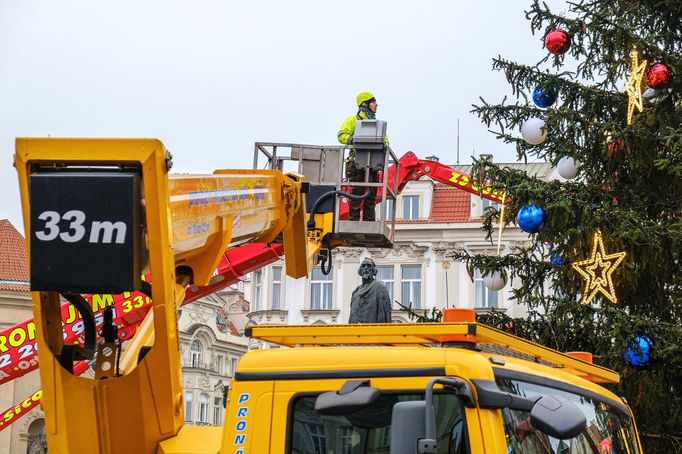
{"x": 456, "y": 387}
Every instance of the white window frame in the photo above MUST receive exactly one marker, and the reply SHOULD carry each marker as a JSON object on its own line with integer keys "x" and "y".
{"x": 189, "y": 397}
{"x": 203, "y": 408}
{"x": 389, "y": 204}
{"x": 410, "y": 209}
{"x": 233, "y": 366}
{"x": 485, "y": 203}
{"x": 318, "y": 437}
{"x": 326, "y": 297}
{"x": 277, "y": 286}
{"x": 217, "y": 411}
{"x": 219, "y": 361}
{"x": 346, "y": 439}
{"x": 196, "y": 351}
{"x": 491, "y": 299}
{"x": 414, "y": 286}
{"x": 389, "y": 283}
{"x": 257, "y": 290}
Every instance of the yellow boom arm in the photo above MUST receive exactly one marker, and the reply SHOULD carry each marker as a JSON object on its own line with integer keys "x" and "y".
{"x": 98, "y": 213}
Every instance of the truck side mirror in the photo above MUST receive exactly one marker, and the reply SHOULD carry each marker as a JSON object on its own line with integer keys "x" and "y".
{"x": 408, "y": 426}
{"x": 553, "y": 414}
{"x": 557, "y": 417}
{"x": 353, "y": 396}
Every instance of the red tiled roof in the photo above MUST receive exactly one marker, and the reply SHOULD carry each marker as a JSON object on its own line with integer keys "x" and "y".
{"x": 13, "y": 263}
{"x": 449, "y": 204}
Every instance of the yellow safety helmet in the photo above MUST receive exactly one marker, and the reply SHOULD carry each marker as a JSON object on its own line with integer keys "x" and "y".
{"x": 363, "y": 97}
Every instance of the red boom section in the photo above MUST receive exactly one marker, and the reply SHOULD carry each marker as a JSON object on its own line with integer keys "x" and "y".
{"x": 411, "y": 168}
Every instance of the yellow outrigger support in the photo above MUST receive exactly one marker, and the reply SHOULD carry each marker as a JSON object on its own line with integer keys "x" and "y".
{"x": 425, "y": 333}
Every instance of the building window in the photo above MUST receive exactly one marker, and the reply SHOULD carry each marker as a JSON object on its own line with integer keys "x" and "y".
{"x": 188, "y": 406}
{"x": 411, "y": 207}
{"x": 233, "y": 366}
{"x": 484, "y": 298}
{"x": 389, "y": 209}
{"x": 217, "y": 411}
{"x": 346, "y": 440}
{"x": 195, "y": 353}
{"x": 386, "y": 437}
{"x": 317, "y": 438}
{"x": 203, "y": 408}
{"x": 321, "y": 287}
{"x": 485, "y": 203}
{"x": 385, "y": 275}
{"x": 276, "y": 287}
{"x": 411, "y": 286}
{"x": 219, "y": 364}
{"x": 257, "y": 290}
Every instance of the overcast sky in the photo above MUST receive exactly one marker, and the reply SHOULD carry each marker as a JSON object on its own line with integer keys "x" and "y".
{"x": 211, "y": 77}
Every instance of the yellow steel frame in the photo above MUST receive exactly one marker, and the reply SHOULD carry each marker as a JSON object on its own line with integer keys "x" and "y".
{"x": 140, "y": 411}
{"x": 423, "y": 333}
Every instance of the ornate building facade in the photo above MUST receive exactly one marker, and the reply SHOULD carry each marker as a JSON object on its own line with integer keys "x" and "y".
{"x": 210, "y": 345}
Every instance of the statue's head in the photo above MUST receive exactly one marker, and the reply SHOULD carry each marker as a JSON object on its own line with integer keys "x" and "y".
{"x": 367, "y": 270}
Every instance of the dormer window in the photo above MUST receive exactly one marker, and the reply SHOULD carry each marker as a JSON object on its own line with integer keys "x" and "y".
{"x": 410, "y": 207}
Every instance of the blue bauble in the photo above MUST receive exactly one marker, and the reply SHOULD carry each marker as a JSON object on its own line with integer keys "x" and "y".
{"x": 531, "y": 218}
{"x": 640, "y": 352}
{"x": 544, "y": 97}
{"x": 556, "y": 259}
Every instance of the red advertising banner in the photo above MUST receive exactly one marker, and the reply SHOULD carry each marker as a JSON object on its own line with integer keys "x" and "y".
{"x": 18, "y": 346}
{"x": 15, "y": 412}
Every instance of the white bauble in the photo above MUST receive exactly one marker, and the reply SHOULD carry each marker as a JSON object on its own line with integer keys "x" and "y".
{"x": 495, "y": 281}
{"x": 568, "y": 167}
{"x": 534, "y": 131}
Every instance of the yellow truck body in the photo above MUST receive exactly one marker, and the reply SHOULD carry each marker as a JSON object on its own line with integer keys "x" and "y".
{"x": 272, "y": 398}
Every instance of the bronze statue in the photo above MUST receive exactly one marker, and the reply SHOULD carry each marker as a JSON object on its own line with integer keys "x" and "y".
{"x": 370, "y": 302}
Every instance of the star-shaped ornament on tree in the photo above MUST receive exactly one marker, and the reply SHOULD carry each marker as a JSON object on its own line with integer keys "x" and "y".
{"x": 634, "y": 86}
{"x": 597, "y": 271}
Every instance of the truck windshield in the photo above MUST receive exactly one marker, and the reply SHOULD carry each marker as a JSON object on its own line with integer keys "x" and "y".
{"x": 368, "y": 431}
{"x": 609, "y": 430}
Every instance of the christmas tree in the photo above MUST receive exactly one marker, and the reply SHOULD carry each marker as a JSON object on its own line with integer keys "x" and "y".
{"x": 603, "y": 272}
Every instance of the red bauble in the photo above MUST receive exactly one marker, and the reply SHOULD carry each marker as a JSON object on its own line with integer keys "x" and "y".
{"x": 557, "y": 41}
{"x": 658, "y": 76}
{"x": 616, "y": 148}
{"x": 508, "y": 327}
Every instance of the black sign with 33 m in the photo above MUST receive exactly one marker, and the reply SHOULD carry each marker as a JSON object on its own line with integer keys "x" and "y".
{"x": 85, "y": 231}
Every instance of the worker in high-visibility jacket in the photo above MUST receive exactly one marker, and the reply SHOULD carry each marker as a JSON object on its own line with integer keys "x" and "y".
{"x": 367, "y": 108}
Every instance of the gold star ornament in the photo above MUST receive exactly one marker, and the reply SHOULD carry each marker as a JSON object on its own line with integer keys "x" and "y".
{"x": 597, "y": 271}
{"x": 634, "y": 85}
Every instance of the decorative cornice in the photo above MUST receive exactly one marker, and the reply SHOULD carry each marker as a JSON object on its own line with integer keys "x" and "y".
{"x": 351, "y": 253}
{"x": 484, "y": 248}
{"x": 410, "y": 250}
{"x": 268, "y": 316}
{"x": 446, "y": 249}
{"x": 320, "y": 314}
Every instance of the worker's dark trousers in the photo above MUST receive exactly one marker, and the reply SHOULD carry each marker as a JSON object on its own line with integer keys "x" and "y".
{"x": 356, "y": 175}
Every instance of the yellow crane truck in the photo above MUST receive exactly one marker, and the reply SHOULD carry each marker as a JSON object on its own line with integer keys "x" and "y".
{"x": 99, "y": 213}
